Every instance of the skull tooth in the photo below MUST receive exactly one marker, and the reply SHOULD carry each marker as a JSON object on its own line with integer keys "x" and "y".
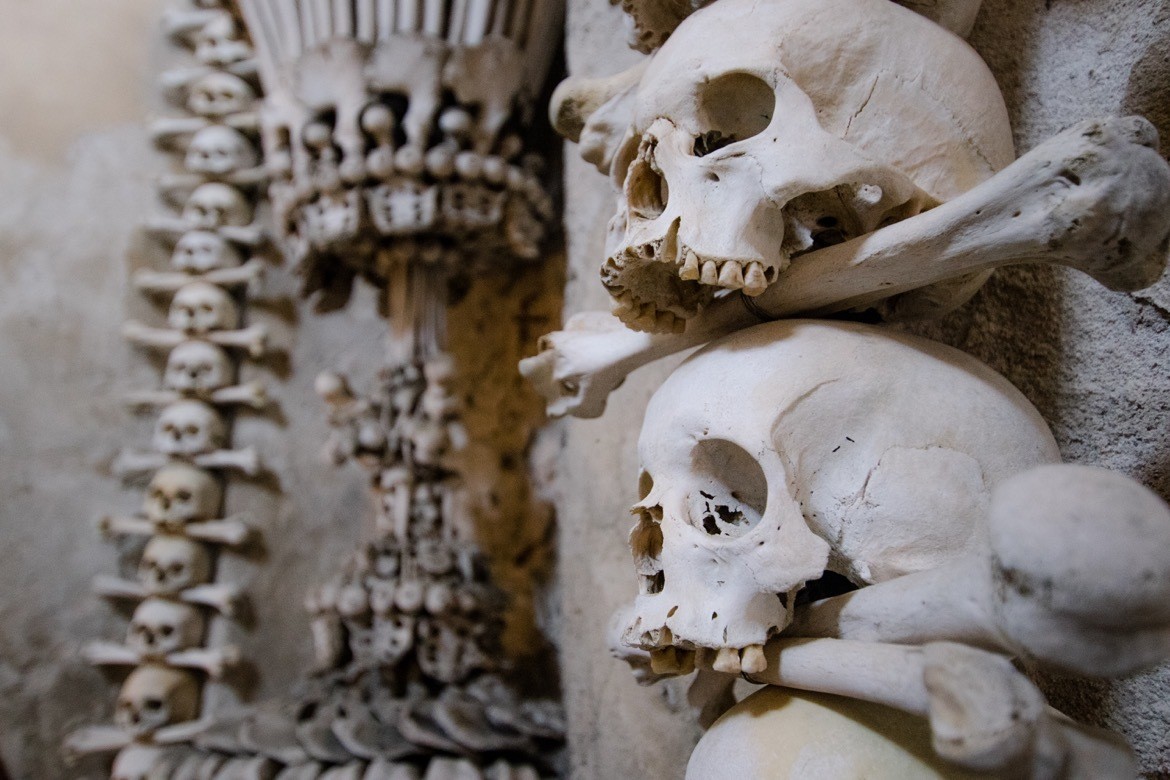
{"x": 754, "y": 282}
{"x": 690, "y": 269}
{"x": 727, "y": 661}
{"x": 731, "y": 275}
{"x": 710, "y": 273}
{"x": 752, "y": 660}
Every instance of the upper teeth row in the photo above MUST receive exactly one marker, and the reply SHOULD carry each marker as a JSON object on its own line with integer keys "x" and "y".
{"x": 728, "y": 274}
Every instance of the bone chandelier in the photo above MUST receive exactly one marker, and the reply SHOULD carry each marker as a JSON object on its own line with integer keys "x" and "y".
{"x": 809, "y": 157}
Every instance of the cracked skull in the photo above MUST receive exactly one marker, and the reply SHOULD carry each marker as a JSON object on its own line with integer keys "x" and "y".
{"x": 197, "y": 367}
{"x": 179, "y": 493}
{"x": 160, "y": 627}
{"x": 780, "y": 453}
{"x": 200, "y": 251}
{"x": 765, "y": 130}
{"x": 156, "y": 696}
{"x": 200, "y": 307}
{"x": 188, "y": 428}
{"x": 218, "y": 151}
{"x": 173, "y": 563}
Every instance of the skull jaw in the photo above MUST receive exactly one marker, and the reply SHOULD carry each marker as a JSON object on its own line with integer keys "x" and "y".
{"x": 650, "y": 296}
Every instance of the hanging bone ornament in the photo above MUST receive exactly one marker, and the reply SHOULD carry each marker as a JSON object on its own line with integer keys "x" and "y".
{"x": 1076, "y": 577}
{"x": 193, "y": 431}
{"x": 1091, "y": 198}
{"x": 202, "y": 256}
{"x": 174, "y": 567}
{"x": 181, "y": 500}
{"x": 796, "y": 448}
{"x": 201, "y": 370}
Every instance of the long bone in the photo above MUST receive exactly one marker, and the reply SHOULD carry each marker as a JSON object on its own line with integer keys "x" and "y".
{"x": 253, "y": 339}
{"x": 246, "y": 461}
{"x": 253, "y": 394}
{"x": 984, "y": 714}
{"x": 93, "y": 740}
{"x": 1093, "y": 198}
{"x": 247, "y": 275}
{"x": 215, "y": 662}
{"x": 166, "y": 131}
{"x": 223, "y": 597}
{"x": 231, "y": 531}
{"x": 1077, "y": 577}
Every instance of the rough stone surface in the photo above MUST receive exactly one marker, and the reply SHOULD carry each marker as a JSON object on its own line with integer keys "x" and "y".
{"x": 1096, "y": 364}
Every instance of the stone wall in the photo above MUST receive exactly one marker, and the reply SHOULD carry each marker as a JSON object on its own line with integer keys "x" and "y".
{"x": 1096, "y": 363}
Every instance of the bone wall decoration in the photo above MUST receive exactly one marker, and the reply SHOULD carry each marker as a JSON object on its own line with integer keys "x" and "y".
{"x": 175, "y": 594}
{"x": 840, "y": 508}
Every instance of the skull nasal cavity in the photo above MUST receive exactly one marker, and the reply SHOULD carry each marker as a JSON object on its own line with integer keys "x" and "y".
{"x": 732, "y": 108}
{"x": 646, "y": 190}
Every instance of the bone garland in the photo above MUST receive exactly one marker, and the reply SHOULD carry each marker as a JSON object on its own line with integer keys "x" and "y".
{"x": 209, "y": 281}
{"x": 1088, "y": 199}
{"x": 396, "y": 130}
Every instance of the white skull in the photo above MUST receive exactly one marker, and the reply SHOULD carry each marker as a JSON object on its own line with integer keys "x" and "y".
{"x": 200, "y": 251}
{"x": 200, "y": 307}
{"x": 332, "y": 217}
{"x": 797, "y": 447}
{"x": 156, "y": 696}
{"x": 173, "y": 563}
{"x": 218, "y": 150}
{"x": 160, "y": 627}
{"x": 179, "y": 493}
{"x": 215, "y": 205}
{"x": 221, "y": 42}
{"x": 137, "y": 762}
{"x": 220, "y": 94}
{"x": 393, "y": 637}
{"x": 198, "y": 367}
{"x": 187, "y": 428}
{"x": 764, "y": 129}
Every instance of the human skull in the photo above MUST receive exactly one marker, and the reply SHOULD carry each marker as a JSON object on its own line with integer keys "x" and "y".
{"x": 332, "y": 217}
{"x": 179, "y": 493}
{"x": 393, "y": 637}
{"x": 173, "y": 563}
{"x": 160, "y": 627}
{"x": 187, "y": 428}
{"x": 200, "y": 251}
{"x": 198, "y": 367}
{"x": 447, "y": 649}
{"x": 200, "y": 307}
{"x": 220, "y": 94}
{"x": 218, "y": 150}
{"x": 221, "y": 42}
{"x": 797, "y": 447}
{"x": 215, "y": 205}
{"x": 763, "y": 130}
{"x": 156, "y": 696}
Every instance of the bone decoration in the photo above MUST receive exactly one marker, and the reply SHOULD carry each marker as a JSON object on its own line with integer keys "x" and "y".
{"x": 211, "y": 255}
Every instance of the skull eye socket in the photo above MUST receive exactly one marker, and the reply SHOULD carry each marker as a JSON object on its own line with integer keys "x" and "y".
{"x": 645, "y": 484}
{"x": 732, "y": 108}
{"x": 732, "y": 491}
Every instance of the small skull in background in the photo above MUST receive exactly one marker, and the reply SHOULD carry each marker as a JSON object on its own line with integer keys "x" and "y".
{"x": 188, "y": 428}
{"x": 393, "y": 637}
{"x": 198, "y": 368}
{"x": 447, "y": 650}
{"x": 221, "y": 42}
{"x": 218, "y": 151}
{"x": 200, "y": 251}
{"x": 214, "y": 205}
{"x": 179, "y": 493}
{"x": 156, "y": 696}
{"x": 220, "y": 94}
{"x": 160, "y": 627}
{"x": 199, "y": 307}
{"x": 171, "y": 564}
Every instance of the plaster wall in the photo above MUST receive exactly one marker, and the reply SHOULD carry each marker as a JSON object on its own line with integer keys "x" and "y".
{"x": 1096, "y": 364}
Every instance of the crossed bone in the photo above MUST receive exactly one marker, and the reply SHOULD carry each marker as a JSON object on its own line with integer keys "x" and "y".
{"x": 230, "y": 531}
{"x": 93, "y": 740}
{"x": 1093, "y": 198}
{"x": 215, "y": 662}
{"x": 225, "y": 598}
{"x": 246, "y": 461}
{"x": 171, "y": 228}
{"x": 253, "y": 338}
{"x": 253, "y": 394}
{"x": 249, "y": 274}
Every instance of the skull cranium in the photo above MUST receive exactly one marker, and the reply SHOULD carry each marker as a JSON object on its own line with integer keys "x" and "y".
{"x": 200, "y": 307}
{"x": 160, "y": 627}
{"x": 198, "y": 367}
{"x": 218, "y": 151}
{"x": 221, "y": 42}
{"x": 220, "y": 94}
{"x": 761, "y": 131}
{"x": 173, "y": 563}
{"x": 179, "y": 493}
{"x": 188, "y": 428}
{"x": 156, "y": 696}
{"x": 200, "y": 251}
{"x": 779, "y": 453}
{"x": 215, "y": 205}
